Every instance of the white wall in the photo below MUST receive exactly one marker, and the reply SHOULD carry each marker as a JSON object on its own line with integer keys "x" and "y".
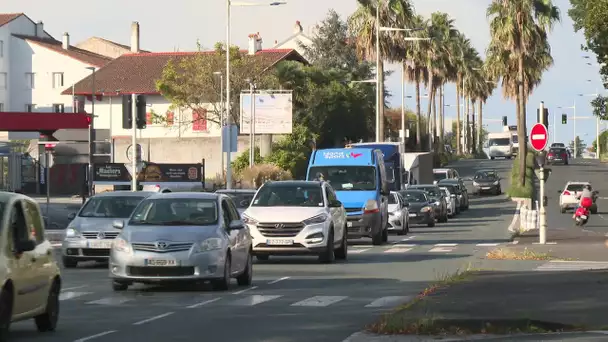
{"x": 294, "y": 43}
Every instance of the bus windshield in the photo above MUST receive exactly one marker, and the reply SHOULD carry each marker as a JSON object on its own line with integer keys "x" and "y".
{"x": 346, "y": 178}
{"x": 499, "y": 142}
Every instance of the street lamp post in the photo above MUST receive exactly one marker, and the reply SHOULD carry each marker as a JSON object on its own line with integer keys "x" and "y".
{"x": 91, "y": 134}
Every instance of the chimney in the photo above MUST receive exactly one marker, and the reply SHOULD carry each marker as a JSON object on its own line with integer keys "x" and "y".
{"x": 66, "y": 41}
{"x": 258, "y": 42}
{"x": 135, "y": 37}
{"x": 255, "y": 43}
{"x": 40, "y": 29}
{"x": 297, "y": 28}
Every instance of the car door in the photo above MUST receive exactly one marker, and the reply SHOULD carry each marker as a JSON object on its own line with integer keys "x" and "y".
{"x": 338, "y": 215}
{"x": 232, "y": 237}
{"x": 243, "y": 240}
{"x": 42, "y": 255}
{"x": 404, "y": 210}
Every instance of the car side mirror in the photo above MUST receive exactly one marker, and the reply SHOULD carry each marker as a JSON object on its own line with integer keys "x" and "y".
{"x": 335, "y": 204}
{"x": 25, "y": 246}
{"x": 71, "y": 216}
{"x": 118, "y": 224}
{"x": 236, "y": 225}
{"x": 559, "y": 191}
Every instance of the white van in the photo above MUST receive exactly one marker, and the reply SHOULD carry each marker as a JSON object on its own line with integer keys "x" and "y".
{"x": 500, "y": 145}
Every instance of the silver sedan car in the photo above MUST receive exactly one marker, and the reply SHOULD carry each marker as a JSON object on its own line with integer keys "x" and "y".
{"x": 182, "y": 236}
{"x": 90, "y": 234}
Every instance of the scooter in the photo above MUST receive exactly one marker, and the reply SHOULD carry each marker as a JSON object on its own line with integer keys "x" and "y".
{"x": 581, "y": 216}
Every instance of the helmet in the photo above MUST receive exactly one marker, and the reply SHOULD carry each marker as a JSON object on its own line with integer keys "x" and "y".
{"x": 588, "y": 187}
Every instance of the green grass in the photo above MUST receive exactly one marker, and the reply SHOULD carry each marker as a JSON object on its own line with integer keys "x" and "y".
{"x": 527, "y": 191}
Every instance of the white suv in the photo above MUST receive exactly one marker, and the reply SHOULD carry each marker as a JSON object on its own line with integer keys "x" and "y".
{"x": 30, "y": 281}
{"x": 295, "y": 218}
{"x": 568, "y": 198}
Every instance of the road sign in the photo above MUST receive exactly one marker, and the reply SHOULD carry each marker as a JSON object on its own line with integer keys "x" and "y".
{"x": 539, "y": 137}
{"x": 140, "y": 152}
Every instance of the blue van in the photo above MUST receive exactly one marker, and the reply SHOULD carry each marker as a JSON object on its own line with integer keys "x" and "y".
{"x": 358, "y": 176}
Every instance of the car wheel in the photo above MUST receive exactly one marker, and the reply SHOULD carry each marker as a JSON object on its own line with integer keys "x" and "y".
{"x": 119, "y": 286}
{"x": 69, "y": 262}
{"x": 403, "y": 230}
{"x": 431, "y": 223}
{"x": 223, "y": 283}
{"x": 328, "y": 256}
{"x": 377, "y": 238}
{"x": 6, "y": 313}
{"x": 594, "y": 209}
{"x": 443, "y": 218}
{"x": 342, "y": 252}
{"x": 562, "y": 210}
{"x": 407, "y": 228}
{"x": 48, "y": 320}
{"x": 385, "y": 235}
{"x": 245, "y": 278}
{"x": 262, "y": 257}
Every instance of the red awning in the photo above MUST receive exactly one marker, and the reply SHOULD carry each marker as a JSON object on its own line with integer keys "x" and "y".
{"x": 42, "y": 122}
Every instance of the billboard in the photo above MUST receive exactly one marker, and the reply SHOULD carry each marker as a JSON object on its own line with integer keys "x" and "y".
{"x": 272, "y": 112}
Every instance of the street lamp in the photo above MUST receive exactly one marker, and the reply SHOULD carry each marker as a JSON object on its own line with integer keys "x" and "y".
{"x": 91, "y": 133}
{"x": 229, "y": 4}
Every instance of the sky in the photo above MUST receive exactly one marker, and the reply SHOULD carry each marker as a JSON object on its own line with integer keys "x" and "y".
{"x": 178, "y": 24}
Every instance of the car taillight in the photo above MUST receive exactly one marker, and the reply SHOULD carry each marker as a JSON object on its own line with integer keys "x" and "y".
{"x": 566, "y": 193}
{"x": 565, "y": 155}
{"x": 157, "y": 187}
{"x": 550, "y": 155}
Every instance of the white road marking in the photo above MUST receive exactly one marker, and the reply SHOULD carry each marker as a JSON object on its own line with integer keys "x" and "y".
{"x": 56, "y": 245}
{"x": 245, "y": 290}
{"x": 440, "y": 250}
{"x": 71, "y": 295}
{"x": 362, "y": 246}
{"x": 255, "y": 300}
{"x": 398, "y": 250}
{"x": 110, "y": 301}
{"x": 88, "y": 338}
{"x": 538, "y": 136}
{"x": 572, "y": 266}
{"x": 153, "y": 318}
{"x": 197, "y": 305}
{"x": 446, "y": 245}
{"x": 319, "y": 301}
{"x": 73, "y": 288}
{"x": 546, "y": 243}
{"x": 487, "y": 244}
{"x": 358, "y": 251}
{"x": 408, "y": 238}
{"x": 388, "y": 301}
{"x": 515, "y": 242}
{"x": 278, "y": 280}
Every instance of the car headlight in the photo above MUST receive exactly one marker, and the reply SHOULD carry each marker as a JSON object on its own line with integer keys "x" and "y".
{"x": 496, "y": 183}
{"x": 72, "y": 233}
{"x": 210, "y": 244}
{"x": 437, "y": 203}
{"x": 248, "y": 220}
{"x": 316, "y": 219}
{"x": 475, "y": 184}
{"x": 426, "y": 209}
{"x": 121, "y": 245}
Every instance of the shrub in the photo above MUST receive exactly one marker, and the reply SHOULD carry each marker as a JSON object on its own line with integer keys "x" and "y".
{"x": 242, "y": 161}
{"x": 527, "y": 191}
{"x": 253, "y": 177}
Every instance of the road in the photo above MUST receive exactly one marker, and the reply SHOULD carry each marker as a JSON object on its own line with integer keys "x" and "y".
{"x": 292, "y": 299}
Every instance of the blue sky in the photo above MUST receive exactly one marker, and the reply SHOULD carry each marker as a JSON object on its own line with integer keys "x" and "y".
{"x": 179, "y": 23}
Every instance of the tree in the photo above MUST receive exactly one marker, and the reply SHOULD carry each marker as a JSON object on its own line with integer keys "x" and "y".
{"x": 599, "y": 105}
{"x": 291, "y": 152}
{"x": 191, "y": 82}
{"x": 603, "y": 142}
{"x": 580, "y": 146}
{"x": 591, "y": 16}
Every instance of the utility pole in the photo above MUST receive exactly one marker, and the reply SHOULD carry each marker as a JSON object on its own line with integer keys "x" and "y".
{"x": 134, "y": 149}
{"x": 542, "y": 231}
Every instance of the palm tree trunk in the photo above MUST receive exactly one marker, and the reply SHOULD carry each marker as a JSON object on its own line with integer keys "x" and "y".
{"x": 521, "y": 122}
{"x": 435, "y": 117}
{"x": 458, "y": 147}
{"x": 441, "y": 119}
{"x": 428, "y": 115}
{"x": 479, "y": 125}
{"x": 473, "y": 130}
{"x": 418, "y": 114}
{"x": 380, "y": 124}
{"x": 467, "y": 120}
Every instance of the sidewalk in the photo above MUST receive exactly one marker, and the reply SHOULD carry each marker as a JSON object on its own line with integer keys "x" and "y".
{"x": 492, "y": 303}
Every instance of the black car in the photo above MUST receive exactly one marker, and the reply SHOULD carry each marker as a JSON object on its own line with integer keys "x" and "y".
{"x": 557, "y": 155}
{"x": 420, "y": 207}
{"x": 437, "y": 198}
{"x": 464, "y": 193}
{"x": 487, "y": 181}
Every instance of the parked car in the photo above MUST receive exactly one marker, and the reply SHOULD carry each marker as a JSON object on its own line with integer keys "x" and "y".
{"x": 487, "y": 181}
{"x": 464, "y": 193}
{"x": 420, "y": 207}
{"x": 438, "y": 200}
{"x": 569, "y": 196}
{"x": 398, "y": 219}
{"x": 29, "y": 275}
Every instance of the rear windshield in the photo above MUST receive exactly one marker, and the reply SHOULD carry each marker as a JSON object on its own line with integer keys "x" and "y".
{"x": 241, "y": 199}
{"x": 575, "y": 187}
{"x": 432, "y": 191}
{"x": 110, "y": 206}
{"x": 557, "y": 150}
{"x": 440, "y": 175}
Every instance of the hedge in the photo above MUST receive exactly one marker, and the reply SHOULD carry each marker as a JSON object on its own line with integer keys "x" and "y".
{"x": 527, "y": 191}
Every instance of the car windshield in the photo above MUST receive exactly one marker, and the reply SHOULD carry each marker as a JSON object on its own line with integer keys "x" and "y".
{"x": 432, "y": 191}
{"x": 414, "y": 196}
{"x": 289, "y": 196}
{"x": 486, "y": 175}
{"x": 499, "y": 142}
{"x": 440, "y": 175}
{"x": 345, "y": 178}
{"x": 576, "y": 187}
{"x": 392, "y": 199}
{"x": 176, "y": 212}
{"x": 240, "y": 199}
{"x": 110, "y": 206}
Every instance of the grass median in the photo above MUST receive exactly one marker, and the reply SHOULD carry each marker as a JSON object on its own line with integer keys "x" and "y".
{"x": 527, "y": 191}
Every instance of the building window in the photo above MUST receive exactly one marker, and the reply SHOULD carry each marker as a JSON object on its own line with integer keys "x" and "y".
{"x": 1, "y": 48}
{"x": 57, "y": 79}
{"x": 3, "y": 80}
{"x": 199, "y": 120}
{"x": 30, "y": 80}
{"x": 30, "y": 107}
{"x": 170, "y": 117}
{"x": 58, "y": 108}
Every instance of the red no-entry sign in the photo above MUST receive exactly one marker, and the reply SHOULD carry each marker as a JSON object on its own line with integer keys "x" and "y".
{"x": 539, "y": 137}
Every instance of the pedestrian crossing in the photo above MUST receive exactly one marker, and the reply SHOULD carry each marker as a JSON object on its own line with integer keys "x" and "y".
{"x": 565, "y": 266}
{"x": 401, "y": 248}
{"x": 189, "y": 301}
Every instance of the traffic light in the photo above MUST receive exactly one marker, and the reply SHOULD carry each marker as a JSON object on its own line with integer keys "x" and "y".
{"x": 545, "y": 120}
{"x": 564, "y": 119}
{"x": 140, "y": 102}
{"x": 504, "y": 120}
{"x": 127, "y": 112}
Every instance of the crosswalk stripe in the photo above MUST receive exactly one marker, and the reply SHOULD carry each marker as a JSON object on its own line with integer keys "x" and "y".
{"x": 440, "y": 249}
{"x": 197, "y": 305}
{"x": 111, "y": 301}
{"x": 387, "y": 301}
{"x": 572, "y": 266}
{"x": 255, "y": 300}
{"x": 446, "y": 245}
{"x": 71, "y": 295}
{"x": 397, "y": 250}
{"x": 487, "y": 244}
{"x": 403, "y": 245}
{"x": 358, "y": 251}
{"x": 319, "y": 301}
{"x": 362, "y": 246}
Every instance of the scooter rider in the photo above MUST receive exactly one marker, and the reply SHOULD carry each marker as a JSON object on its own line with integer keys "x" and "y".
{"x": 586, "y": 197}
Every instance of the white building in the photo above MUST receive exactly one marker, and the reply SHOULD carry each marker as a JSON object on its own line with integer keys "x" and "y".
{"x": 296, "y": 40}
{"x": 35, "y": 68}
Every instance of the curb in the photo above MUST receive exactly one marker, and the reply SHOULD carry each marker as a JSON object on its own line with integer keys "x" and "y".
{"x": 363, "y": 336}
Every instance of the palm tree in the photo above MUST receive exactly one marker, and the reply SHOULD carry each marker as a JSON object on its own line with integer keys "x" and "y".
{"x": 518, "y": 30}
{"x": 462, "y": 46}
{"x": 363, "y": 25}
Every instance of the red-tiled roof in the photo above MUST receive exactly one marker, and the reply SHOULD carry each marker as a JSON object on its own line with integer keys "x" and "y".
{"x": 6, "y": 18}
{"x": 138, "y": 73}
{"x": 73, "y": 52}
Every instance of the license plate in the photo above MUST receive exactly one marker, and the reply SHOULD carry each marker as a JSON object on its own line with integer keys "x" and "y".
{"x": 100, "y": 244}
{"x": 485, "y": 188}
{"x": 349, "y": 224}
{"x": 279, "y": 242}
{"x": 160, "y": 262}
{"x": 584, "y": 217}
{"x": 412, "y": 215}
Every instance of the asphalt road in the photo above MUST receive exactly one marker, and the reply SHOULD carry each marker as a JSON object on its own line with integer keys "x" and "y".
{"x": 292, "y": 299}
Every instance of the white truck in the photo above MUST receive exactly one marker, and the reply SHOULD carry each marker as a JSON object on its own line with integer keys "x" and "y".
{"x": 500, "y": 145}
{"x": 418, "y": 167}
{"x": 514, "y": 138}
